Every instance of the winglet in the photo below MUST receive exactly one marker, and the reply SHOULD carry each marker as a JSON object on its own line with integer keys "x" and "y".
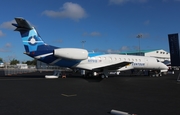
{"x": 22, "y": 24}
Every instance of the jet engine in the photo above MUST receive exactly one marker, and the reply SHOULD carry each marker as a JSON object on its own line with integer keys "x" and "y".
{"x": 71, "y": 53}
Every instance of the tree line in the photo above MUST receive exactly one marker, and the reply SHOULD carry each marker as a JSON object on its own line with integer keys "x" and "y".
{"x": 15, "y": 61}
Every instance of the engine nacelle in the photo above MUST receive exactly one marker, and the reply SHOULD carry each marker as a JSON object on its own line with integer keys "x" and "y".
{"x": 71, "y": 53}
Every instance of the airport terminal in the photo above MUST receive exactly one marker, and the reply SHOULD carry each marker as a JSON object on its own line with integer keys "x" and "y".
{"x": 160, "y": 54}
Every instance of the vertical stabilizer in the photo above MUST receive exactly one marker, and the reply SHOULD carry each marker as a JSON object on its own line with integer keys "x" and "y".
{"x": 30, "y": 37}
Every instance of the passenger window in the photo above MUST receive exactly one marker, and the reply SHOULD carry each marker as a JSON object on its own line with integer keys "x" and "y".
{"x": 110, "y": 58}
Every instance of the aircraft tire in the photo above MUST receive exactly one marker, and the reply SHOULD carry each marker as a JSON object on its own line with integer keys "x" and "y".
{"x": 102, "y": 76}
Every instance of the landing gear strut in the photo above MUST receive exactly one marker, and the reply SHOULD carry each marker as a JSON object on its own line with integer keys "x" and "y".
{"x": 104, "y": 74}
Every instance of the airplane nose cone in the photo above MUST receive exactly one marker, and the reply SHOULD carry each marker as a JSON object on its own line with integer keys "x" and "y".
{"x": 165, "y": 66}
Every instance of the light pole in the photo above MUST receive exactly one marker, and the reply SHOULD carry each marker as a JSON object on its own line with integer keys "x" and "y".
{"x": 83, "y": 42}
{"x": 139, "y": 36}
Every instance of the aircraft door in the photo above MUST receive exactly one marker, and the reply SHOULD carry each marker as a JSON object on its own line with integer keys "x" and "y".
{"x": 146, "y": 62}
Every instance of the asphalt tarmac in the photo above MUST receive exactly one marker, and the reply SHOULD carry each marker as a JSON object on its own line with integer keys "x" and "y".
{"x": 32, "y": 94}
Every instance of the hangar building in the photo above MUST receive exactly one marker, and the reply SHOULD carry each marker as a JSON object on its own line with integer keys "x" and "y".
{"x": 161, "y": 54}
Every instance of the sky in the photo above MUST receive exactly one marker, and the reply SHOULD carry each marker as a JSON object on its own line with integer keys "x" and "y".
{"x": 109, "y": 26}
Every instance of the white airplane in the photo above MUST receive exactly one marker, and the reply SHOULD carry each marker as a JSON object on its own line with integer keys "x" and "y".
{"x": 76, "y": 58}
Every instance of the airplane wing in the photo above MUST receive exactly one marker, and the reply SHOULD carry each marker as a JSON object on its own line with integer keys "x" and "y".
{"x": 109, "y": 66}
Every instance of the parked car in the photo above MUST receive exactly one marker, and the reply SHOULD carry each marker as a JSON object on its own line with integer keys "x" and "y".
{"x": 1, "y": 64}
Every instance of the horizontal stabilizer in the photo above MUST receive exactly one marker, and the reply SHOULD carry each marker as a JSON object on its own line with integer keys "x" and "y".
{"x": 22, "y": 24}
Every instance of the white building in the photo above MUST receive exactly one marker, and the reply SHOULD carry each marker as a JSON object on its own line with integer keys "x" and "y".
{"x": 161, "y": 54}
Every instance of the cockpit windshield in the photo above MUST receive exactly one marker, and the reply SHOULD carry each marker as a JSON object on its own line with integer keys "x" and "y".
{"x": 158, "y": 60}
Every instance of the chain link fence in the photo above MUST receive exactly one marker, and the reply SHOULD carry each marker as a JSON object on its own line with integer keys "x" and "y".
{"x": 15, "y": 70}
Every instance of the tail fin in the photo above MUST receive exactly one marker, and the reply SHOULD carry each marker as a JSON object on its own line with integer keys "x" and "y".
{"x": 31, "y": 39}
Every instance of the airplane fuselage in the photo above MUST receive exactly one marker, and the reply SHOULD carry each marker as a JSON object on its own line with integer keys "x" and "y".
{"x": 136, "y": 62}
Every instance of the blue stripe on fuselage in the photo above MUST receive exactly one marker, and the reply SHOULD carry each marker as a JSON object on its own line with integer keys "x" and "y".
{"x": 93, "y": 54}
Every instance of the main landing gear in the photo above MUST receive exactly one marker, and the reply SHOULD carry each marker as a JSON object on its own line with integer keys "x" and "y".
{"x": 103, "y": 74}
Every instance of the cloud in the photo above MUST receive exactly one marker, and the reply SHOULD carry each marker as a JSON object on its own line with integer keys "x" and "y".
{"x": 146, "y": 22}
{"x": 124, "y": 48}
{"x": 1, "y": 33}
{"x": 68, "y": 10}
{"x": 59, "y": 41}
{"x": 93, "y": 34}
{"x": 8, "y": 25}
{"x": 118, "y": 2}
{"x": 116, "y": 51}
{"x": 111, "y": 51}
{"x": 8, "y": 45}
{"x": 136, "y": 48}
{"x": 6, "y": 48}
